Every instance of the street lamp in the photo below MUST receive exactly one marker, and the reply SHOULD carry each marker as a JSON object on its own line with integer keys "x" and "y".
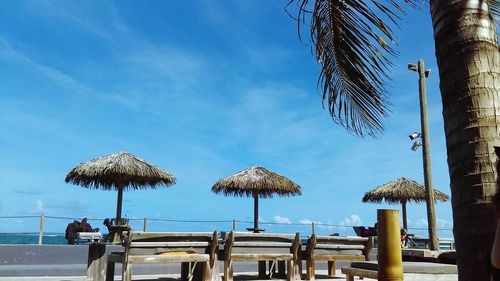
{"x": 426, "y": 154}
{"x": 416, "y": 145}
{"x": 414, "y": 135}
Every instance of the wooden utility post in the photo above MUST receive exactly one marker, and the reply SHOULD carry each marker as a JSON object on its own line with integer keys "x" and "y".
{"x": 40, "y": 234}
{"x": 426, "y": 155}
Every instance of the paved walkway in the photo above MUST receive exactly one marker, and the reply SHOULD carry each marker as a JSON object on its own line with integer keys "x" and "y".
{"x": 321, "y": 275}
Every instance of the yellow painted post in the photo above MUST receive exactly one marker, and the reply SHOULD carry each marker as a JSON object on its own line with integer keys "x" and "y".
{"x": 145, "y": 224}
{"x": 40, "y": 234}
{"x": 390, "y": 260}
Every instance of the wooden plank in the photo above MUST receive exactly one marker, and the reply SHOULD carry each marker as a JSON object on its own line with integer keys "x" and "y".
{"x": 168, "y": 244}
{"x": 168, "y": 258}
{"x": 290, "y": 272}
{"x": 214, "y": 247}
{"x": 341, "y": 238}
{"x": 126, "y": 272}
{"x": 310, "y": 270}
{"x": 338, "y": 258}
{"x": 364, "y": 273}
{"x": 148, "y": 235}
{"x": 422, "y": 253}
{"x": 228, "y": 269}
{"x": 262, "y": 244}
{"x": 245, "y": 257}
{"x": 116, "y": 257}
{"x": 340, "y": 247}
{"x": 263, "y": 235}
{"x": 96, "y": 262}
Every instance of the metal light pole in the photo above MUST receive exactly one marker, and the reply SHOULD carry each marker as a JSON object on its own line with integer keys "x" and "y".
{"x": 426, "y": 154}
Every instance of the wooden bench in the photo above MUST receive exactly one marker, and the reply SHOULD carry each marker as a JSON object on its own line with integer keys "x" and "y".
{"x": 369, "y": 269}
{"x": 350, "y": 272}
{"x": 262, "y": 247}
{"x": 335, "y": 248}
{"x": 167, "y": 247}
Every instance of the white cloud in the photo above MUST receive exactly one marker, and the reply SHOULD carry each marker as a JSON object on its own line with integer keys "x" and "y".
{"x": 306, "y": 221}
{"x": 352, "y": 220}
{"x": 280, "y": 219}
{"x": 318, "y": 224}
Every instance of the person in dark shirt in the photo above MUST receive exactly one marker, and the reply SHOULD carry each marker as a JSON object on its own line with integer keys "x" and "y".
{"x": 71, "y": 230}
{"x": 86, "y": 227}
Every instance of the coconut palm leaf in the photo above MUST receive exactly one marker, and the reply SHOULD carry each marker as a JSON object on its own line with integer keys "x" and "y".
{"x": 352, "y": 43}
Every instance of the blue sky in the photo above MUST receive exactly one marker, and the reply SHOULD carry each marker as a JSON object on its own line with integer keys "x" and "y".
{"x": 202, "y": 89}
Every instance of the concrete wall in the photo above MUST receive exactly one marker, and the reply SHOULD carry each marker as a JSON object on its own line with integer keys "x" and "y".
{"x": 45, "y": 260}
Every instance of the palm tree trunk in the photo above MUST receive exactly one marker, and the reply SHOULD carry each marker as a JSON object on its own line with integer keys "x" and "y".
{"x": 468, "y": 57}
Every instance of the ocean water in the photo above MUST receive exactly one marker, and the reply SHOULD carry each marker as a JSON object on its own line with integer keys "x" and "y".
{"x": 32, "y": 238}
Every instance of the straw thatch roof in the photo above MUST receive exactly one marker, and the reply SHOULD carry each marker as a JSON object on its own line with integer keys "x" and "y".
{"x": 119, "y": 170}
{"x": 401, "y": 190}
{"x": 256, "y": 180}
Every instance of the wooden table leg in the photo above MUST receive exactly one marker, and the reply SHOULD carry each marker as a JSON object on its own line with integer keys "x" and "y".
{"x": 331, "y": 268}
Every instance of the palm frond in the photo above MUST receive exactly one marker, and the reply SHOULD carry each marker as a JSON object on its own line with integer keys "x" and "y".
{"x": 352, "y": 44}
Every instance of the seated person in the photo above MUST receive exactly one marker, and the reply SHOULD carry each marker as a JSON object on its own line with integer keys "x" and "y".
{"x": 71, "y": 230}
{"x": 404, "y": 238}
{"x": 106, "y": 223}
{"x": 86, "y": 227}
{"x": 367, "y": 232}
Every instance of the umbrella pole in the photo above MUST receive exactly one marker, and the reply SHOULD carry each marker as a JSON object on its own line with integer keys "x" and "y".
{"x": 119, "y": 205}
{"x": 403, "y": 207}
{"x": 262, "y": 264}
{"x": 255, "y": 212}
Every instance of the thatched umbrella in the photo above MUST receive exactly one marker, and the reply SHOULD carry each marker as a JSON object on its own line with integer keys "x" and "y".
{"x": 401, "y": 190}
{"x": 256, "y": 182}
{"x": 119, "y": 171}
